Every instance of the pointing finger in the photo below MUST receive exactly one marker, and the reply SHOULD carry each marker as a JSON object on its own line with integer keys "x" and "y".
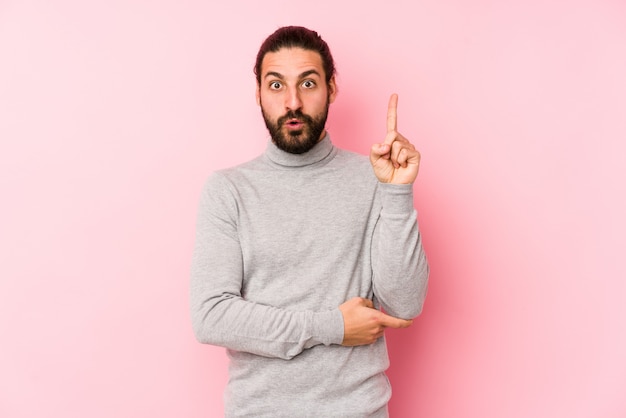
{"x": 392, "y": 113}
{"x": 393, "y": 322}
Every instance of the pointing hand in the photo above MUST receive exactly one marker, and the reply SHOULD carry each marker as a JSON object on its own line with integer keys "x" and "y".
{"x": 395, "y": 160}
{"x": 363, "y": 324}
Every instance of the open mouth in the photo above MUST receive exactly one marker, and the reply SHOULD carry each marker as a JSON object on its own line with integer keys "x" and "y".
{"x": 294, "y": 124}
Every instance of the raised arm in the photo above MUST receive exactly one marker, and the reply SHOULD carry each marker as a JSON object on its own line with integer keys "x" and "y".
{"x": 398, "y": 259}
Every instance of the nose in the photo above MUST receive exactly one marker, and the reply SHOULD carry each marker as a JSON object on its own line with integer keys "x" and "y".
{"x": 292, "y": 101}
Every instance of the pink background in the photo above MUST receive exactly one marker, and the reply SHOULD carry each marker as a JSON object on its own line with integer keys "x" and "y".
{"x": 112, "y": 114}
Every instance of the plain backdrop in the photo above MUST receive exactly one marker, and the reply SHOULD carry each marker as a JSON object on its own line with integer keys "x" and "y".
{"x": 113, "y": 113}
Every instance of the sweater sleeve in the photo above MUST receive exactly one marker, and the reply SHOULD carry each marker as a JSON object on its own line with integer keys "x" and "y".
{"x": 400, "y": 267}
{"x": 220, "y": 315}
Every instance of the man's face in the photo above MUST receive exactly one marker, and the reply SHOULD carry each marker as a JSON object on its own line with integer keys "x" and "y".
{"x": 294, "y": 98}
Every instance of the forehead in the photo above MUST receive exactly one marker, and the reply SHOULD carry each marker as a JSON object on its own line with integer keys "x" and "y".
{"x": 292, "y": 62}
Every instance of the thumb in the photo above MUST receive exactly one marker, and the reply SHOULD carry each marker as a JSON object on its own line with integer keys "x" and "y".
{"x": 379, "y": 150}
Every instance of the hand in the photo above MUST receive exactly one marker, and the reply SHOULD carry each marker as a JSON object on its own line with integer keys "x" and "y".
{"x": 363, "y": 324}
{"x": 395, "y": 160}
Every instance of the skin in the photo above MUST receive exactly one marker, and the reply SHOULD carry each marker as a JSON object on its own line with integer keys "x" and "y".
{"x": 293, "y": 79}
{"x": 395, "y": 160}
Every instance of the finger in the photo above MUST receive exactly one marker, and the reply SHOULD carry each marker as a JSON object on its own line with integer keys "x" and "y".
{"x": 409, "y": 156}
{"x": 393, "y": 322}
{"x": 379, "y": 151}
{"x": 367, "y": 303}
{"x": 390, "y": 138}
{"x": 392, "y": 113}
{"x": 402, "y": 151}
{"x": 402, "y": 157}
{"x": 396, "y": 149}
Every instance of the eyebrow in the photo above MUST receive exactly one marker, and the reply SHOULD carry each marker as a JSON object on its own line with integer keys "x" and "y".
{"x": 281, "y": 77}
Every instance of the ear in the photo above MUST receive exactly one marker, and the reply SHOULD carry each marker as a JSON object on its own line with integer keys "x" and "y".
{"x": 332, "y": 89}
{"x": 258, "y": 94}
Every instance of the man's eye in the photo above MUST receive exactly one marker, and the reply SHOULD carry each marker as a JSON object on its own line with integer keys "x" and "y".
{"x": 308, "y": 84}
{"x": 275, "y": 85}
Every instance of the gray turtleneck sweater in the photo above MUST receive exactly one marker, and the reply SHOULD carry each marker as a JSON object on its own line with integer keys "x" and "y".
{"x": 281, "y": 242}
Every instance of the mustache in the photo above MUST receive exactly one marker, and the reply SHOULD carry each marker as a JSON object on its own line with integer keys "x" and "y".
{"x": 294, "y": 115}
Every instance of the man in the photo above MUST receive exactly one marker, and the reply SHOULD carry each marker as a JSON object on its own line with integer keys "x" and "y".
{"x": 298, "y": 249}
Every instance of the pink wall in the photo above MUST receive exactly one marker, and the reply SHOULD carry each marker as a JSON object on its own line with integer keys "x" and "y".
{"x": 112, "y": 114}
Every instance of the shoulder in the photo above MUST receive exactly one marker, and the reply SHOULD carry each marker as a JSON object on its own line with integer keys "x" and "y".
{"x": 354, "y": 162}
{"x": 352, "y": 157}
{"x": 230, "y": 176}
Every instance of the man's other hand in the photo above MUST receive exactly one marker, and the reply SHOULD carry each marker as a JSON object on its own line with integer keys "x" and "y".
{"x": 363, "y": 324}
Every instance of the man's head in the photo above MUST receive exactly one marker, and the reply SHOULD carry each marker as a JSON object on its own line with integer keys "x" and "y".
{"x": 296, "y": 37}
{"x": 295, "y": 85}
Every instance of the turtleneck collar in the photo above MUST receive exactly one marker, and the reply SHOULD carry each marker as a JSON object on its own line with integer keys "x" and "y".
{"x": 323, "y": 150}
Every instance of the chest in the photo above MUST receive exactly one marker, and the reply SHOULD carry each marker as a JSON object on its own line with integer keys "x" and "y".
{"x": 293, "y": 215}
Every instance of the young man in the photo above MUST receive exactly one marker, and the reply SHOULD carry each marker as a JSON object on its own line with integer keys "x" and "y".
{"x": 298, "y": 249}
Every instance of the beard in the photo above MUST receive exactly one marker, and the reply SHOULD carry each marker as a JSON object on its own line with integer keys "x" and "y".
{"x": 302, "y": 140}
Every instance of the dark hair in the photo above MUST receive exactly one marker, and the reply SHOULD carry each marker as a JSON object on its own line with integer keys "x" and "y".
{"x": 296, "y": 37}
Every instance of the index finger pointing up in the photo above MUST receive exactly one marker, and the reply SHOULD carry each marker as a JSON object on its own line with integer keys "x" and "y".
{"x": 392, "y": 113}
